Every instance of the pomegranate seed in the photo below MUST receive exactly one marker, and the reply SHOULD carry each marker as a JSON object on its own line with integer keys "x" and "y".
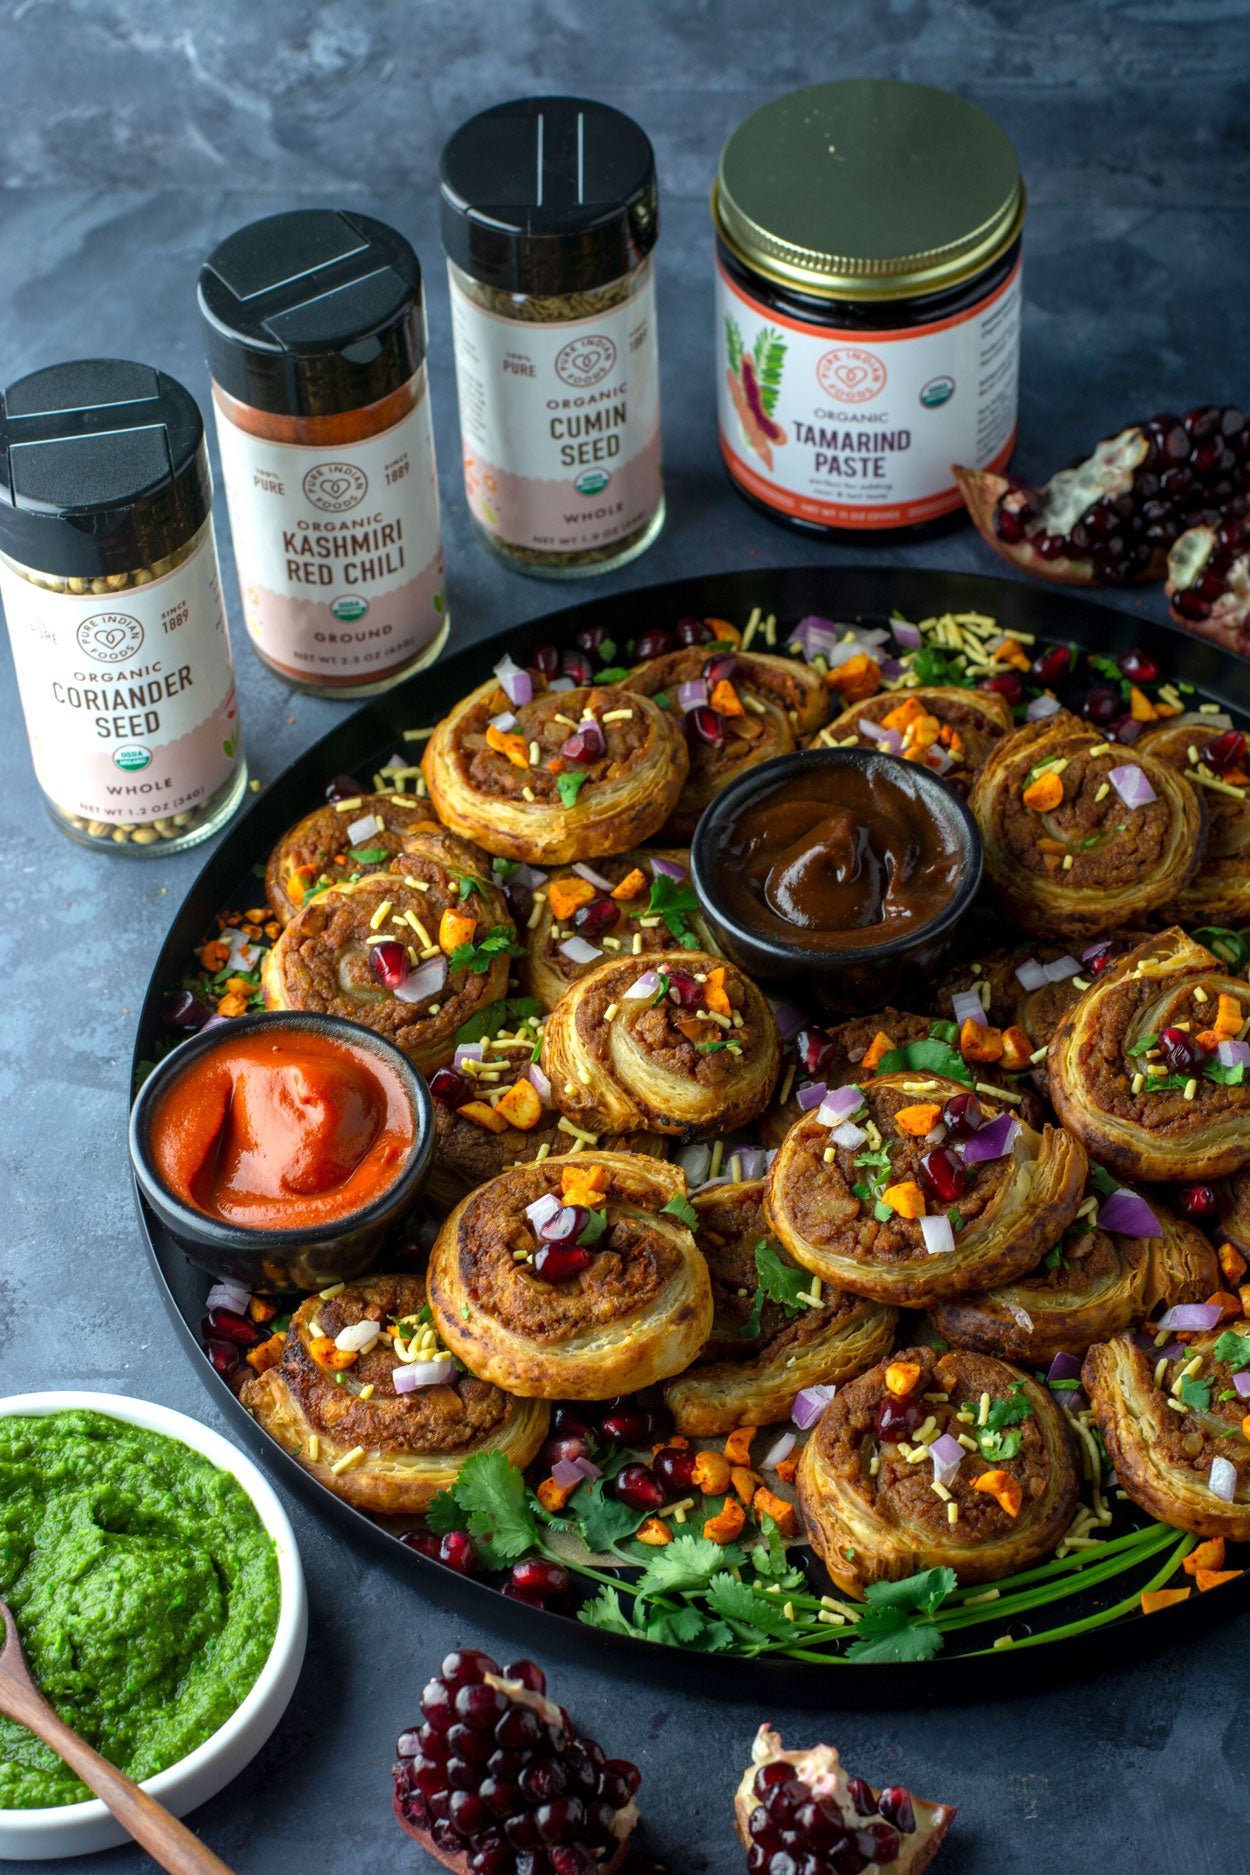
{"x": 820, "y": 1825}
{"x": 783, "y": 1801}
{"x": 584, "y": 745}
{"x": 459, "y": 1552}
{"x": 675, "y": 1469}
{"x": 343, "y": 788}
{"x": 528, "y": 1674}
{"x": 467, "y": 1666}
{"x": 1101, "y": 706}
{"x": 720, "y": 669}
{"x": 556, "y": 1451}
{"x": 566, "y": 1226}
{"x": 1180, "y": 1051}
{"x": 776, "y": 1772}
{"x": 389, "y": 963}
{"x": 225, "y": 1325}
{"x": 627, "y": 1426}
{"x": 423, "y": 1541}
{"x": 1197, "y": 1203}
{"x": 1125, "y": 728}
{"x": 894, "y": 1804}
{"x": 545, "y": 659}
{"x": 1106, "y": 953}
{"x": 859, "y": 1790}
{"x": 183, "y": 1011}
{"x": 560, "y": 1263}
{"x": 895, "y": 1418}
{"x": 224, "y": 1356}
{"x": 962, "y": 1115}
{"x": 693, "y": 631}
{"x": 1139, "y": 667}
{"x": 1051, "y": 667}
{"x": 481, "y": 1707}
{"x": 704, "y": 724}
{"x": 813, "y": 1047}
{"x": 638, "y": 1486}
{"x": 520, "y": 902}
{"x": 577, "y": 665}
{"x": 547, "y": 1580}
{"x": 591, "y": 921}
{"x": 520, "y": 1727}
{"x": 886, "y": 1842}
{"x": 1006, "y": 684}
{"x": 540, "y": 1783}
{"x": 684, "y": 990}
{"x": 653, "y": 644}
{"x": 569, "y": 1422}
{"x": 468, "y": 1812}
{"x": 451, "y": 1088}
{"x": 944, "y": 1174}
{"x": 1225, "y": 753}
{"x": 437, "y": 1703}
{"x": 593, "y": 638}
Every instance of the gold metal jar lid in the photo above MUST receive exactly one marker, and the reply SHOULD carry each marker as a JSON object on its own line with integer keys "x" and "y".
{"x": 868, "y": 189}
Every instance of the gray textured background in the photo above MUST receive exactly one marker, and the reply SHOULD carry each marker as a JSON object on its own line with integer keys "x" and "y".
{"x": 134, "y": 134}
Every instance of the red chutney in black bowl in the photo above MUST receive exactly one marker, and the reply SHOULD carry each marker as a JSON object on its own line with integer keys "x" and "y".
{"x": 843, "y": 869}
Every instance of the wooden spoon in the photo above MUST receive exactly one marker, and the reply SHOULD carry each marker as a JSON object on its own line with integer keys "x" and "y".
{"x": 167, "y": 1840}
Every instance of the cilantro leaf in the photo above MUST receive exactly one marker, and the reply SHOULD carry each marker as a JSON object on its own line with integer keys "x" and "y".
{"x": 939, "y": 667}
{"x": 1231, "y": 1076}
{"x": 1054, "y": 1259}
{"x": 1195, "y": 1393}
{"x": 504, "y": 867}
{"x": 710, "y": 1048}
{"x": 681, "y": 1208}
{"x": 469, "y": 883}
{"x": 368, "y": 855}
{"x": 688, "y": 1562}
{"x": 685, "y": 1627}
{"x": 1142, "y": 1045}
{"x": 999, "y": 1445}
{"x": 594, "y": 1227}
{"x": 956, "y": 1217}
{"x": 779, "y": 1281}
{"x": 917, "y": 1641}
{"x": 1229, "y": 946}
{"x": 737, "y": 1602}
{"x": 925, "y": 1591}
{"x": 1102, "y": 1181}
{"x": 490, "y": 1500}
{"x": 478, "y": 956}
{"x": 1233, "y": 1349}
{"x": 603, "y": 1520}
{"x": 568, "y": 785}
{"x": 674, "y": 900}
{"x": 613, "y": 674}
{"x": 488, "y": 1022}
{"x": 605, "y": 1612}
{"x": 929, "y": 1056}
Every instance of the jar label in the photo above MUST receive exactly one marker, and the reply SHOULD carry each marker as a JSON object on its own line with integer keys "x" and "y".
{"x": 128, "y": 696}
{"x": 860, "y": 428}
{"x": 338, "y": 547}
{"x": 560, "y": 423}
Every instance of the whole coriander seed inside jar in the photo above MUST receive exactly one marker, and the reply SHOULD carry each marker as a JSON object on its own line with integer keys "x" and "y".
{"x": 112, "y": 593}
{"x": 550, "y": 213}
{"x": 867, "y": 305}
{"x": 314, "y": 327}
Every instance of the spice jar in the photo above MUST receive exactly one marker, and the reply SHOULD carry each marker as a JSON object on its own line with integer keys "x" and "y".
{"x": 868, "y": 304}
{"x": 314, "y": 328}
{"x": 549, "y": 216}
{"x": 112, "y": 592}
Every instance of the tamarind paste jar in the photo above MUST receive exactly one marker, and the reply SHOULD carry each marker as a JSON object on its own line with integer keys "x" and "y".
{"x": 867, "y": 304}
{"x": 550, "y": 213}
{"x": 112, "y": 592}
{"x": 314, "y": 328}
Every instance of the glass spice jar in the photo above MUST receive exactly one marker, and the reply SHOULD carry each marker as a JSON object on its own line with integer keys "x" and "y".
{"x": 112, "y": 593}
{"x": 314, "y": 327}
{"x": 867, "y": 305}
{"x": 550, "y": 213}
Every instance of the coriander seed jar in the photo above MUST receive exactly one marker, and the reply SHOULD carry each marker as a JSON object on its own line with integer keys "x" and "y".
{"x": 867, "y": 304}
{"x": 112, "y": 593}
{"x": 314, "y": 327}
{"x": 550, "y": 214}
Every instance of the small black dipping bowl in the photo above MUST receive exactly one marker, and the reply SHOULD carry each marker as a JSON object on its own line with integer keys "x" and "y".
{"x": 848, "y": 980}
{"x": 282, "y": 1259}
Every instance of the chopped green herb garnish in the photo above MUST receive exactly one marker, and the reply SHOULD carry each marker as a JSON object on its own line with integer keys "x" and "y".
{"x": 366, "y": 856}
{"x": 568, "y": 786}
{"x": 1233, "y": 1349}
{"x": 479, "y": 955}
{"x": 681, "y": 1208}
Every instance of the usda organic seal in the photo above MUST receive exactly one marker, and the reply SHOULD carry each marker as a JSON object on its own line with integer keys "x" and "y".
{"x": 592, "y": 482}
{"x": 349, "y": 609}
{"x": 132, "y": 757}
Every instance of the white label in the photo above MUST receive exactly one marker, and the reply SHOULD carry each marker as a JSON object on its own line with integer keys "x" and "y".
{"x": 860, "y": 428}
{"x": 560, "y": 423}
{"x": 339, "y": 548}
{"x": 128, "y": 697}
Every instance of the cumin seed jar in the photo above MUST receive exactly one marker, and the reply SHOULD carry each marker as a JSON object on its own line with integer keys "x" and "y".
{"x": 550, "y": 213}
{"x": 868, "y": 304}
{"x": 314, "y": 329}
{"x": 112, "y": 593}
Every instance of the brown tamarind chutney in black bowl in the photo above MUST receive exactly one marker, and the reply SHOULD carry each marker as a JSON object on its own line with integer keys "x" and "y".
{"x": 845, "y": 870}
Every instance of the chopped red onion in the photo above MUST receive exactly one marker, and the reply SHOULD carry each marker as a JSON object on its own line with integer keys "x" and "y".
{"x": 592, "y": 877}
{"x": 905, "y": 633}
{"x": 589, "y": 1470}
{"x": 840, "y": 1105}
{"x": 517, "y": 685}
{"x": 889, "y": 739}
{"x": 1030, "y": 975}
{"x": 1233, "y": 1054}
{"x": 578, "y": 951}
{"x": 1064, "y": 1367}
{"x": 947, "y": 1455}
{"x": 1042, "y": 707}
{"x": 409, "y": 1377}
{"x": 1241, "y": 1382}
{"x": 938, "y": 1234}
{"x": 567, "y": 1474}
{"x": 357, "y": 1336}
{"x": 647, "y": 985}
{"x": 1062, "y": 968}
{"x": 810, "y": 1095}
{"x": 1129, "y": 1215}
{"x": 968, "y": 1007}
{"x": 467, "y": 1051}
{"x": 363, "y": 829}
{"x": 992, "y": 1141}
{"x": 504, "y": 721}
{"x": 562, "y": 683}
{"x": 226, "y": 1294}
{"x": 539, "y": 1082}
{"x": 214, "y": 1022}
{"x": 850, "y": 648}
{"x": 543, "y": 1209}
{"x": 815, "y": 637}
{"x": 1185, "y": 1316}
{"x": 426, "y": 980}
{"x": 789, "y": 1019}
{"x": 810, "y": 1404}
{"x": 695, "y": 1162}
{"x": 778, "y": 1451}
{"x": 1223, "y": 1479}
{"x": 891, "y": 668}
{"x": 671, "y": 868}
{"x": 1131, "y": 784}
{"x": 1020, "y": 1316}
{"x": 852, "y": 1137}
{"x": 693, "y": 694}
{"x": 528, "y": 876}
{"x": 753, "y": 1160}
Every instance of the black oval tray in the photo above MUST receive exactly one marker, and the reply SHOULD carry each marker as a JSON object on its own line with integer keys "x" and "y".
{"x": 366, "y": 739}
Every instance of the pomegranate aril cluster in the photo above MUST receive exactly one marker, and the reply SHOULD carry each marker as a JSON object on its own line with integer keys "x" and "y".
{"x": 794, "y": 1832}
{"x": 493, "y": 1780}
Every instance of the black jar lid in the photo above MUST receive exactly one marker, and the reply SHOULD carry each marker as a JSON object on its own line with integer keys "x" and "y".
{"x": 312, "y": 313}
{"x": 102, "y": 468}
{"x": 549, "y": 196}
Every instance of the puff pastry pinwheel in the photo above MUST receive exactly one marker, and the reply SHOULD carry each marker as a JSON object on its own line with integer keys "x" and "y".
{"x": 467, "y": 1153}
{"x": 818, "y": 1057}
{"x": 585, "y": 914}
{"x": 570, "y": 775}
{"x": 336, "y": 1393}
{"x": 775, "y": 1329}
{"x": 342, "y": 840}
{"x": 1189, "y": 1468}
{"x": 890, "y": 1190}
{"x": 1232, "y": 1196}
{"x": 1082, "y": 835}
{"x": 573, "y": 1278}
{"x": 678, "y": 1043}
{"x": 1146, "y": 1068}
{"x": 413, "y": 954}
{"x": 1008, "y": 1481}
{"x": 1213, "y": 758}
{"x": 948, "y": 728}
{"x": 736, "y": 709}
{"x": 1118, "y": 1260}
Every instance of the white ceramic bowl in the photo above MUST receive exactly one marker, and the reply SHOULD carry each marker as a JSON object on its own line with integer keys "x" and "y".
{"x": 79, "y": 1828}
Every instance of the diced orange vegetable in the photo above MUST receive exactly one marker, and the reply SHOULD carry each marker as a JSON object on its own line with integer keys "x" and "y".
{"x": 783, "y": 1514}
{"x": 1009, "y": 652}
{"x": 1244, "y": 1293}
{"x": 298, "y": 883}
{"x": 951, "y": 739}
{"x": 514, "y": 747}
{"x": 240, "y": 984}
{"x": 1003, "y": 1488}
{"x": 725, "y": 632}
{"x": 978, "y": 1041}
{"x": 877, "y": 1049}
{"x": 727, "y": 1524}
{"x": 676, "y": 1442}
{"x": 745, "y": 1482}
{"x": 273, "y": 930}
{"x": 858, "y": 678}
{"x": 1245, "y": 1427}
{"x": 521, "y": 1105}
{"x": 917, "y": 1120}
{"x": 902, "y": 1377}
{"x": 1140, "y": 708}
{"x": 724, "y": 699}
{"x": 234, "y": 1003}
{"x": 906, "y": 1199}
{"x": 552, "y": 1496}
{"x": 921, "y": 734}
{"x": 1208, "y": 1555}
{"x": 261, "y": 1309}
{"x": 1228, "y": 1018}
{"x": 1154, "y": 1599}
{"x": 712, "y": 1473}
{"x": 565, "y": 896}
{"x": 1209, "y": 1039}
{"x": 654, "y": 1532}
{"x": 584, "y": 1184}
{"x": 631, "y": 885}
{"x": 267, "y": 1355}
{"x": 215, "y": 954}
{"x": 483, "y": 1114}
{"x": 787, "y": 1469}
{"x": 1231, "y": 1305}
{"x": 738, "y": 1445}
{"x": 903, "y": 714}
{"x": 326, "y": 1355}
{"x": 714, "y": 994}
{"x": 1017, "y": 1049}
{"x": 455, "y": 927}
{"x": 1211, "y": 1578}
{"x": 1044, "y": 793}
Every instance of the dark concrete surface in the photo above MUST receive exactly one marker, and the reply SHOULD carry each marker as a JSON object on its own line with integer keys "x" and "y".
{"x": 133, "y": 136}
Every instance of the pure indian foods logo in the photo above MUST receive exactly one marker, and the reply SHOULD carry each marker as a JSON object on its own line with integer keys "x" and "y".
{"x": 585, "y": 361}
{"x": 336, "y": 487}
{"x": 849, "y": 375}
{"x": 110, "y": 637}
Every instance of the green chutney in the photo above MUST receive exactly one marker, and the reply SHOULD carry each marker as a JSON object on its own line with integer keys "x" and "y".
{"x": 145, "y": 1590}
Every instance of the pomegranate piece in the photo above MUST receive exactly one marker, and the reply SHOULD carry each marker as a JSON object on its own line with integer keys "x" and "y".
{"x": 1112, "y": 518}
{"x": 593, "y": 638}
{"x": 693, "y": 631}
{"x": 1125, "y": 728}
{"x": 225, "y": 1325}
{"x": 1197, "y": 1203}
{"x": 675, "y": 1469}
{"x": 566, "y": 1226}
{"x": 812, "y": 1046}
{"x": 459, "y": 1552}
{"x": 628, "y": 1425}
{"x": 560, "y": 1263}
{"x": 520, "y": 902}
{"x": 1008, "y": 684}
{"x": 704, "y": 724}
{"x": 944, "y": 1174}
{"x": 1101, "y": 707}
{"x": 1182, "y": 1053}
{"x": 547, "y": 1581}
{"x": 638, "y": 1486}
{"x": 584, "y": 745}
{"x": 962, "y": 1115}
{"x": 224, "y": 1356}
{"x": 497, "y": 1781}
{"x": 1225, "y": 754}
{"x": 798, "y": 1812}
{"x": 1209, "y": 579}
{"x": 1139, "y": 667}
{"x": 570, "y": 1422}
{"x": 343, "y": 788}
{"x": 451, "y": 1088}
{"x": 545, "y": 659}
{"x": 894, "y": 1419}
{"x": 720, "y": 669}
{"x": 1051, "y": 667}
{"x": 654, "y": 643}
{"x": 684, "y": 990}
{"x": 591, "y": 921}
{"x": 389, "y": 963}
{"x": 577, "y": 665}
{"x": 425, "y": 1543}
{"x": 182, "y": 1010}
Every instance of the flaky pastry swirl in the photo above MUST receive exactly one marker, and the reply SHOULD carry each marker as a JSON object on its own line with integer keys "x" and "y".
{"x": 319, "y": 845}
{"x": 1219, "y": 892}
